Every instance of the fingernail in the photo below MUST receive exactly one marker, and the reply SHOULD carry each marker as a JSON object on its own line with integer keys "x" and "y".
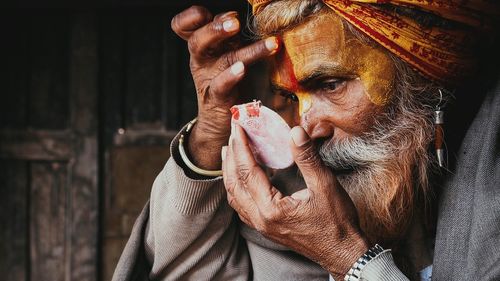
{"x": 223, "y": 152}
{"x": 230, "y": 25}
{"x": 271, "y": 43}
{"x": 237, "y": 68}
{"x": 299, "y": 136}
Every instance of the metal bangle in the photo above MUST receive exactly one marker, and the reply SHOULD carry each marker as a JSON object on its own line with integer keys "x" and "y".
{"x": 189, "y": 164}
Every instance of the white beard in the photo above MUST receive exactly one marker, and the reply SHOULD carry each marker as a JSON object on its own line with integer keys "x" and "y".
{"x": 358, "y": 160}
{"x": 376, "y": 170}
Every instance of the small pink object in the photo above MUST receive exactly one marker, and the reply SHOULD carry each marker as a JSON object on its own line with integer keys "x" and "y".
{"x": 268, "y": 134}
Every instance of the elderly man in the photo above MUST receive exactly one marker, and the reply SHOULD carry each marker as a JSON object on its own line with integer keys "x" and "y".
{"x": 364, "y": 81}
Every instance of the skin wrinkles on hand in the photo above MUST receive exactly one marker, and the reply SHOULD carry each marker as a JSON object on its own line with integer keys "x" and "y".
{"x": 301, "y": 219}
{"x": 319, "y": 49}
{"x": 218, "y": 63}
{"x": 339, "y": 92}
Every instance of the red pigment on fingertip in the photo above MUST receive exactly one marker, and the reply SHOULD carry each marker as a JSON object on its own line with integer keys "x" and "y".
{"x": 235, "y": 113}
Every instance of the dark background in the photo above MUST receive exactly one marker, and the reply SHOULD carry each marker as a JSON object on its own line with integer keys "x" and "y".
{"x": 92, "y": 92}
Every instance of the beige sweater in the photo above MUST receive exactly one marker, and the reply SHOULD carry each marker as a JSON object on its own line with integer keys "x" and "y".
{"x": 191, "y": 233}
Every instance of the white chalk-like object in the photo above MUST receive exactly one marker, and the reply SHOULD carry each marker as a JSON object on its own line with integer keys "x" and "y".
{"x": 268, "y": 134}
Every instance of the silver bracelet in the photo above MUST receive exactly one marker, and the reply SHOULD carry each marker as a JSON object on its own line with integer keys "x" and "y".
{"x": 354, "y": 273}
{"x": 189, "y": 164}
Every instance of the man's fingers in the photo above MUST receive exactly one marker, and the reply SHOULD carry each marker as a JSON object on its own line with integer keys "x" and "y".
{"x": 253, "y": 52}
{"x": 205, "y": 42}
{"x": 186, "y": 22}
{"x": 222, "y": 85}
{"x": 241, "y": 213}
{"x": 315, "y": 173}
{"x": 250, "y": 174}
{"x": 225, "y": 15}
{"x": 240, "y": 199}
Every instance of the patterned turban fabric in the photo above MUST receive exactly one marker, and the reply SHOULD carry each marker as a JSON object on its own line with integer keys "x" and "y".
{"x": 442, "y": 53}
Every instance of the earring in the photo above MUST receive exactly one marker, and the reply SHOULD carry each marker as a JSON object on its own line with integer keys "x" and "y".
{"x": 439, "y": 132}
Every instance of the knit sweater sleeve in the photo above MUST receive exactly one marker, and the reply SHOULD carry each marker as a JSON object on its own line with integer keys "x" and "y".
{"x": 192, "y": 231}
{"x": 381, "y": 268}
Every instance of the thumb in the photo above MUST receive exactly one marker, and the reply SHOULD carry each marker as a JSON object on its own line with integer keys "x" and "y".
{"x": 315, "y": 173}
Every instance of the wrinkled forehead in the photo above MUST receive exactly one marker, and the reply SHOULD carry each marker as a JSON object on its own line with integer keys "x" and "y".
{"x": 322, "y": 45}
{"x": 317, "y": 40}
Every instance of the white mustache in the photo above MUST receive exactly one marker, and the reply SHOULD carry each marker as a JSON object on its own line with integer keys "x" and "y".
{"x": 354, "y": 153}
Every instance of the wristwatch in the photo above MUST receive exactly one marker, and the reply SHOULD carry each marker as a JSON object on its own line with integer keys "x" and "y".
{"x": 354, "y": 273}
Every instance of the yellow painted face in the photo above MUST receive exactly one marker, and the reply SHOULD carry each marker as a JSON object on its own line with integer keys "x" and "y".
{"x": 323, "y": 44}
{"x": 327, "y": 69}
{"x": 305, "y": 102}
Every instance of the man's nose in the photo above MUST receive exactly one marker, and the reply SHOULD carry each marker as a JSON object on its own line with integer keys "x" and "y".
{"x": 313, "y": 118}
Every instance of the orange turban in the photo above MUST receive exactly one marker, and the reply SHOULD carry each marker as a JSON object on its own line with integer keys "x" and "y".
{"x": 443, "y": 54}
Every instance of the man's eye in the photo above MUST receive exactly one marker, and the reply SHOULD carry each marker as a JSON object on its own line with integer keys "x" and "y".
{"x": 331, "y": 85}
{"x": 289, "y": 96}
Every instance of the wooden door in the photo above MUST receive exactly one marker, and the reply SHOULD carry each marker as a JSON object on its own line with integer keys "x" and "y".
{"x": 48, "y": 147}
{"x": 89, "y": 102}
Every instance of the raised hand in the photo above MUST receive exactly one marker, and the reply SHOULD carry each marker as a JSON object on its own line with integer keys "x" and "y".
{"x": 217, "y": 65}
{"x": 319, "y": 221}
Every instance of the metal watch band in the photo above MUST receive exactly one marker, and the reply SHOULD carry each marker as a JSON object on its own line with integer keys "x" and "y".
{"x": 354, "y": 273}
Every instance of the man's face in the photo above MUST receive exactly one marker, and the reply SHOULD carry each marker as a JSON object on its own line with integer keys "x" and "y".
{"x": 339, "y": 82}
{"x": 342, "y": 87}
